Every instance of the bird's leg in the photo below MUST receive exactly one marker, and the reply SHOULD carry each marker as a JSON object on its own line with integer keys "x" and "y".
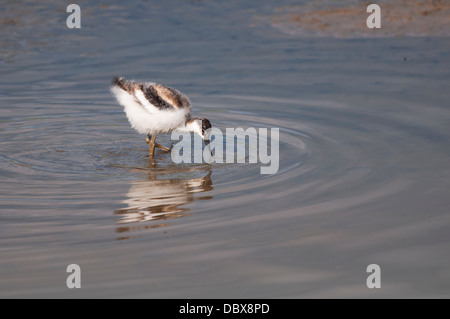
{"x": 162, "y": 147}
{"x": 151, "y": 144}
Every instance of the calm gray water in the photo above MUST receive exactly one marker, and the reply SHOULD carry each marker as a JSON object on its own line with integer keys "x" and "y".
{"x": 364, "y": 157}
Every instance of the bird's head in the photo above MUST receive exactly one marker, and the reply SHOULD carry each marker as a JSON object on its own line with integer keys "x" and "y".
{"x": 201, "y": 126}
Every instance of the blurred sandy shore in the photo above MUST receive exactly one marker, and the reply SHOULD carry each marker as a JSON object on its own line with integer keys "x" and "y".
{"x": 398, "y": 18}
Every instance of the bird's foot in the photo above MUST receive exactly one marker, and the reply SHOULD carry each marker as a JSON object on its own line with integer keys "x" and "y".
{"x": 166, "y": 149}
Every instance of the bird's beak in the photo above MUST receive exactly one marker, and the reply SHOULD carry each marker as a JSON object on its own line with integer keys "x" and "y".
{"x": 208, "y": 147}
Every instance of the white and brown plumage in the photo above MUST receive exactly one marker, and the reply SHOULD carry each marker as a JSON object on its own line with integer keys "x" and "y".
{"x": 154, "y": 108}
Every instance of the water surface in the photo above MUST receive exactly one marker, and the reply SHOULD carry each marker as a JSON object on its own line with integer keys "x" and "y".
{"x": 364, "y": 156}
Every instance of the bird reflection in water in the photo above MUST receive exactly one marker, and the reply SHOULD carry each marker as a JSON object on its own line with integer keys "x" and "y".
{"x": 153, "y": 202}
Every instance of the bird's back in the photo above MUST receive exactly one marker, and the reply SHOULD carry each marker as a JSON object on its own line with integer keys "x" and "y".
{"x": 158, "y": 95}
{"x": 168, "y": 95}
{"x": 151, "y": 107}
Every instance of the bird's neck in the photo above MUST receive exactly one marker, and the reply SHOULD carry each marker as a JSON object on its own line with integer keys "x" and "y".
{"x": 192, "y": 126}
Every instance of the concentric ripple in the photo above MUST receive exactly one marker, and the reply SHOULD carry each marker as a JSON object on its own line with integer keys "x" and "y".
{"x": 364, "y": 148}
{"x": 326, "y": 158}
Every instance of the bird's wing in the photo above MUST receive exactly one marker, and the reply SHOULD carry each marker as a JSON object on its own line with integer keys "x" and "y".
{"x": 157, "y": 97}
{"x": 154, "y": 97}
{"x": 149, "y": 104}
{"x": 135, "y": 90}
{"x": 171, "y": 96}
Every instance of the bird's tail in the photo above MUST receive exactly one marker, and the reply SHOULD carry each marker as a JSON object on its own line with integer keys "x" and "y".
{"x": 121, "y": 83}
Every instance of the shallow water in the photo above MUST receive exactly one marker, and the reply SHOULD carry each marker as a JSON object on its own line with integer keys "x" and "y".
{"x": 364, "y": 157}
